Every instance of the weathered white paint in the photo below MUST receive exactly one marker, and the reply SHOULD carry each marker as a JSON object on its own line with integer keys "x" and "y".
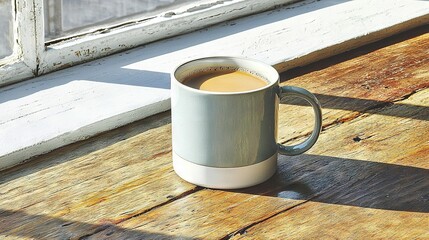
{"x": 14, "y": 69}
{"x": 66, "y": 106}
{"x": 185, "y": 19}
{"x": 40, "y": 60}
{"x": 23, "y": 63}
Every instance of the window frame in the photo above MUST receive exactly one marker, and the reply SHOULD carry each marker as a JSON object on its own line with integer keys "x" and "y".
{"x": 33, "y": 57}
{"x": 22, "y": 63}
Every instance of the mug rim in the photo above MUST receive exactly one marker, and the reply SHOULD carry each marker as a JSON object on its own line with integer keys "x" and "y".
{"x": 265, "y": 65}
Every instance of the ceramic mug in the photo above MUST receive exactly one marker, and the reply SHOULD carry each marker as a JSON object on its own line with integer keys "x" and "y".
{"x": 228, "y": 140}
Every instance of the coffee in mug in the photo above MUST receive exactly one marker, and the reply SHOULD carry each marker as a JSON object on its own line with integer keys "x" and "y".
{"x": 219, "y": 80}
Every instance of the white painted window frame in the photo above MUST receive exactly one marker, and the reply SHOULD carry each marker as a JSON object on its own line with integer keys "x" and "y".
{"x": 32, "y": 57}
{"x": 22, "y": 63}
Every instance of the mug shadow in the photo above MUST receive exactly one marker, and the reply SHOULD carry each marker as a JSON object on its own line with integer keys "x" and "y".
{"x": 402, "y": 110}
{"x": 348, "y": 182}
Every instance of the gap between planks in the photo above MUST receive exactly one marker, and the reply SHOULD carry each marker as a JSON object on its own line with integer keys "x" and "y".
{"x": 172, "y": 199}
{"x": 242, "y": 230}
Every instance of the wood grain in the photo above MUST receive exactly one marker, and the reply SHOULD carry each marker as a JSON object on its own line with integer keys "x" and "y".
{"x": 357, "y": 82}
{"x": 332, "y": 221}
{"x": 367, "y": 175}
{"x": 207, "y": 214}
{"x": 370, "y": 176}
{"x": 365, "y": 178}
{"x": 101, "y": 187}
{"x": 362, "y": 161}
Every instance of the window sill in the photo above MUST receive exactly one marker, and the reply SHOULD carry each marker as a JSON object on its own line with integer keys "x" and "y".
{"x": 53, "y": 110}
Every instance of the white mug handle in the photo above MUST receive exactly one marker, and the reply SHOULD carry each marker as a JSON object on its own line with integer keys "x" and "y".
{"x": 310, "y": 141}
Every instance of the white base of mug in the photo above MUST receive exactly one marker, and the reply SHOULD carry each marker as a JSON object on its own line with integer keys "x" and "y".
{"x": 225, "y": 178}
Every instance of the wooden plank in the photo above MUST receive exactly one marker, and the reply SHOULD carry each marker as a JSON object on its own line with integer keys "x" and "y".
{"x": 122, "y": 183}
{"x": 361, "y": 162}
{"x": 357, "y": 82}
{"x": 300, "y": 178}
{"x": 332, "y": 221}
{"x": 79, "y": 189}
{"x": 361, "y": 175}
{"x": 207, "y": 214}
{"x": 362, "y": 182}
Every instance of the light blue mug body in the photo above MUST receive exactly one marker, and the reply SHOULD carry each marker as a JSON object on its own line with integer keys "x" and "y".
{"x": 231, "y": 130}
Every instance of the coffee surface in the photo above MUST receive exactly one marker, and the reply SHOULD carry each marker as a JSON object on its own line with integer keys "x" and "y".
{"x": 225, "y": 81}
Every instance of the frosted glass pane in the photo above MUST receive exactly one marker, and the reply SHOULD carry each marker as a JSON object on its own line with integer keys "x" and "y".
{"x": 6, "y": 28}
{"x": 67, "y": 17}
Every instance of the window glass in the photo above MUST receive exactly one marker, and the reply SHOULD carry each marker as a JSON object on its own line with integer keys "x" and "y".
{"x": 69, "y": 17}
{"x": 6, "y": 28}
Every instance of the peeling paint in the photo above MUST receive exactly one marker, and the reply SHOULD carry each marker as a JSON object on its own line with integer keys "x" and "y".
{"x": 86, "y": 52}
{"x": 169, "y": 14}
{"x": 205, "y": 6}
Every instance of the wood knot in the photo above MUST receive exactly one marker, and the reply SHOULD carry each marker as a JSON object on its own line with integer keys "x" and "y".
{"x": 360, "y": 138}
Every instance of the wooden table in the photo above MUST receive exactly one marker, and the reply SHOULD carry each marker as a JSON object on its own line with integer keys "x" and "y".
{"x": 366, "y": 178}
